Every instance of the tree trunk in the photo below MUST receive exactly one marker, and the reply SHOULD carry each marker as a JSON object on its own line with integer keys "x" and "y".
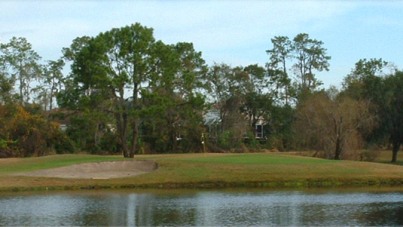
{"x": 286, "y": 76}
{"x": 338, "y": 149}
{"x": 123, "y": 145}
{"x": 121, "y": 125}
{"x": 395, "y": 149}
{"x": 339, "y": 145}
{"x": 135, "y": 137}
{"x": 135, "y": 121}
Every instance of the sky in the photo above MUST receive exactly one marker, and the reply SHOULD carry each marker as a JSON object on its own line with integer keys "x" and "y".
{"x": 236, "y": 32}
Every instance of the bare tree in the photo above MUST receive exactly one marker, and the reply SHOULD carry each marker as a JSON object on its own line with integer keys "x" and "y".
{"x": 334, "y": 125}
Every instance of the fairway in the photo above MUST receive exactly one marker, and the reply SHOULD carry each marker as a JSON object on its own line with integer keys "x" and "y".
{"x": 260, "y": 158}
{"x": 206, "y": 170}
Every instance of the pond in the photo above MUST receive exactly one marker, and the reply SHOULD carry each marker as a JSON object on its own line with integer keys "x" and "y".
{"x": 202, "y": 208}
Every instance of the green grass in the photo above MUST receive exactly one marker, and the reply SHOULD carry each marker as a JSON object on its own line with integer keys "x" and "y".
{"x": 269, "y": 169}
{"x": 258, "y": 159}
{"x": 210, "y": 170}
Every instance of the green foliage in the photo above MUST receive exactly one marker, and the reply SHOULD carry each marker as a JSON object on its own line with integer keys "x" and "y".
{"x": 81, "y": 131}
{"x": 90, "y": 131}
{"x": 6, "y": 87}
{"x": 392, "y": 111}
{"x": 3, "y": 144}
{"x": 104, "y": 69}
{"x": 368, "y": 81}
{"x": 226, "y": 139}
{"x": 149, "y": 90}
{"x": 365, "y": 80}
{"x": 19, "y": 63}
{"x": 52, "y": 83}
{"x": 306, "y": 55}
{"x": 64, "y": 145}
{"x": 130, "y": 93}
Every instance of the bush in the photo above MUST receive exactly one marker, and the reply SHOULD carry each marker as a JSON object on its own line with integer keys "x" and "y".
{"x": 24, "y": 134}
{"x": 64, "y": 145}
{"x": 369, "y": 155}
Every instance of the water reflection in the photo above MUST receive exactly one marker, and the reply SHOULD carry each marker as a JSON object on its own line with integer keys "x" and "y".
{"x": 202, "y": 209}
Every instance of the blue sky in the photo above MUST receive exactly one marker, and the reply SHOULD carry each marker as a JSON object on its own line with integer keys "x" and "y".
{"x": 232, "y": 32}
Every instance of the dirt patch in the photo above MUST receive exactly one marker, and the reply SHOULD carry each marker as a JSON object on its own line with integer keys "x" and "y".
{"x": 98, "y": 170}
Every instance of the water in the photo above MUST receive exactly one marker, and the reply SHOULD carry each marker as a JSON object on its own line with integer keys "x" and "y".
{"x": 202, "y": 208}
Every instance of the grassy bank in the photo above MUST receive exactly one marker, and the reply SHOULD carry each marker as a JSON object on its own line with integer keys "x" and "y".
{"x": 209, "y": 171}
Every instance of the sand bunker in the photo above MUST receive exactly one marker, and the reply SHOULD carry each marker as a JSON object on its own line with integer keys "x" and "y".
{"x": 98, "y": 170}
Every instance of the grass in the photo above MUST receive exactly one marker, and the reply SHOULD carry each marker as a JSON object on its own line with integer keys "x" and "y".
{"x": 209, "y": 171}
{"x": 386, "y": 157}
{"x": 15, "y": 165}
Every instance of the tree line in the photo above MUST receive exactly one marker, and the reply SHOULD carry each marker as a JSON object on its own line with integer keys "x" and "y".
{"x": 128, "y": 93}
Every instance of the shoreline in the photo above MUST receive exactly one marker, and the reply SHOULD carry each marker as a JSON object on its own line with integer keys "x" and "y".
{"x": 296, "y": 184}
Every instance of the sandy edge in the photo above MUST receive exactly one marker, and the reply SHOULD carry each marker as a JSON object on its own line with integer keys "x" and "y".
{"x": 96, "y": 170}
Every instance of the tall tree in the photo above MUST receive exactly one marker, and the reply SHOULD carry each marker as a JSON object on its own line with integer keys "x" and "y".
{"x": 364, "y": 80}
{"x": 21, "y": 64}
{"x": 375, "y": 81}
{"x": 150, "y": 88}
{"x": 305, "y": 56}
{"x": 172, "y": 112}
{"x": 227, "y": 88}
{"x": 218, "y": 85}
{"x": 392, "y": 111}
{"x": 280, "y": 54}
{"x": 6, "y": 87}
{"x": 78, "y": 44}
{"x": 115, "y": 65}
{"x": 51, "y": 83}
{"x": 310, "y": 57}
{"x": 74, "y": 92}
{"x": 192, "y": 71}
{"x": 241, "y": 99}
{"x": 258, "y": 100}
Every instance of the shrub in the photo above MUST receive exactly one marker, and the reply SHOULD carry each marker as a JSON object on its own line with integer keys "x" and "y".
{"x": 25, "y": 134}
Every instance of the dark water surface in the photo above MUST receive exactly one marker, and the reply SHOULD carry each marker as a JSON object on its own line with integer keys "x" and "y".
{"x": 202, "y": 208}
